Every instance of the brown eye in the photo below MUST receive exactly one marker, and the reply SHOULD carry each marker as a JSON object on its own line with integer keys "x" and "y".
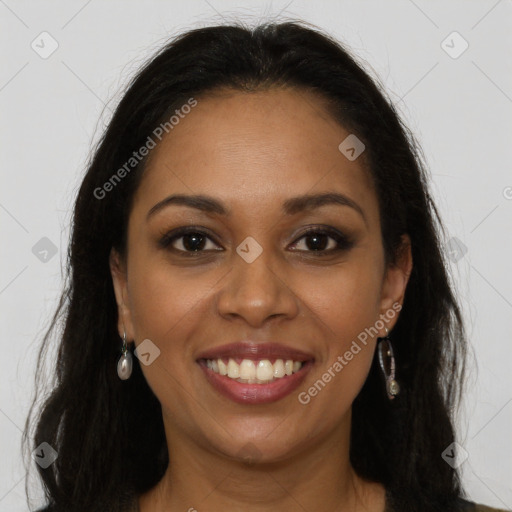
{"x": 322, "y": 241}
{"x": 188, "y": 241}
{"x": 192, "y": 242}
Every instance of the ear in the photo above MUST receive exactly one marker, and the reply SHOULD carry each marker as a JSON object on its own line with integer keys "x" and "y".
{"x": 395, "y": 282}
{"x": 119, "y": 278}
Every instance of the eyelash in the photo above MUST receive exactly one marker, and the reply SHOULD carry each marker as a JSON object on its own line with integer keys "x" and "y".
{"x": 344, "y": 243}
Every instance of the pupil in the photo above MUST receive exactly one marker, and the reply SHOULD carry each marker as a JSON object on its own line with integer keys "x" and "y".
{"x": 193, "y": 242}
{"x": 317, "y": 244}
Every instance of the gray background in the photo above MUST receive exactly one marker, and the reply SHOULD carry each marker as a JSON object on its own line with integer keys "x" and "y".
{"x": 458, "y": 106}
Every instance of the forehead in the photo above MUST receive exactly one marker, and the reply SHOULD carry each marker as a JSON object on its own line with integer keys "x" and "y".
{"x": 254, "y": 147}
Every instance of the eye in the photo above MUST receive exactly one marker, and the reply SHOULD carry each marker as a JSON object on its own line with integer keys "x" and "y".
{"x": 188, "y": 240}
{"x": 322, "y": 241}
{"x": 192, "y": 241}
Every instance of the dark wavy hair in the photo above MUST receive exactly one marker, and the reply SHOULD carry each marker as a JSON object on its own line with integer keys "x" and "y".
{"x": 109, "y": 433}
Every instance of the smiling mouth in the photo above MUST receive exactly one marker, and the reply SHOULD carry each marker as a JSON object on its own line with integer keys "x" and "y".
{"x": 249, "y": 371}
{"x": 252, "y": 373}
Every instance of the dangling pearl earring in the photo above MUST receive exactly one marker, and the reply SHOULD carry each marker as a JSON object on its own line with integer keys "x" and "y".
{"x": 387, "y": 364}
{"x": 125, "y": 363}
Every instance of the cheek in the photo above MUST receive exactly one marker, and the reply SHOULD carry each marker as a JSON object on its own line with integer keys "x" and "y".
{"x": 162, "y": 296}
{"x": 168, "y": 306}
{"x": 165, "y": 304}
{"x": 346, "y": 305}
{"x": 347, "y": 299}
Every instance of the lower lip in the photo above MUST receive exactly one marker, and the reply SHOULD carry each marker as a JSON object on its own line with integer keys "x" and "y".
{"x": 256, "y": 393}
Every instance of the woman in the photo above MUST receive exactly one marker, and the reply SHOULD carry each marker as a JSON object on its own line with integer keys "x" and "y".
{"x": 255, "y": 228}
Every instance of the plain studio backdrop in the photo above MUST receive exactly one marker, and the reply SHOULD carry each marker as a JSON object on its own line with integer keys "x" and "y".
{"x": 445, "y": 65}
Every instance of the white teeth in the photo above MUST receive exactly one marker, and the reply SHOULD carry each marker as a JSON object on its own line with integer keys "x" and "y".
{"x": 265, "y": 370}
{"x": 247, "y": 369}
{"x": 223, "y": 369}
{"x": 279, "y": 369}
{"x": 249, "y": 372}
{"x": 233, "y": 369}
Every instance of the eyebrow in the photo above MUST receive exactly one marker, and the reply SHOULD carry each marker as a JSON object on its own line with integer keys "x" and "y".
{"x": 291, "y": 206}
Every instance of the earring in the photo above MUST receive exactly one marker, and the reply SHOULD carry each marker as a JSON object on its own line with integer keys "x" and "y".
{"x": 125, "y": 363}
{"x": 387, "y": 363}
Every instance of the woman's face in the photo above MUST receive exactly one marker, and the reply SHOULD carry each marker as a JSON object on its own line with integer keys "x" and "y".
{"x": 248, "y": 272}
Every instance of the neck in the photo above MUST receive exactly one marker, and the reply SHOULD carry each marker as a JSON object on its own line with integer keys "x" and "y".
{"x": 317, "y": 478}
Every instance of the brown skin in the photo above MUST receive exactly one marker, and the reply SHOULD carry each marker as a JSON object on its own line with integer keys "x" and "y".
{"x": 252, "y": 152}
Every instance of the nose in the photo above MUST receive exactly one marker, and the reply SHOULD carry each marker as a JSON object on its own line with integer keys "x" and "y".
{"x": 255, "y": 292}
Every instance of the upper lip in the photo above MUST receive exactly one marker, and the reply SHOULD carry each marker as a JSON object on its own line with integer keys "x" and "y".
{"x": 255, "y": 350}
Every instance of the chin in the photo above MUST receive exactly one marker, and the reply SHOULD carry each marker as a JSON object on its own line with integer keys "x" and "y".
{"x": 256, "y": 447}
